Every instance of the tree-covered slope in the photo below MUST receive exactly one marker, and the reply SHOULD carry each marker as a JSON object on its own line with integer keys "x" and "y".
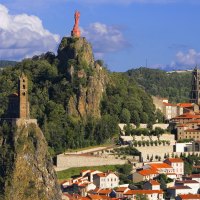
{"x": 6, "y": 63}
{"x": 77, "y": 102}
{"x": 175, "y": 86}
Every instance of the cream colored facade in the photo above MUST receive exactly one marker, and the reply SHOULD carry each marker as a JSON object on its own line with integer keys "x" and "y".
{"x": 103, "y": 180}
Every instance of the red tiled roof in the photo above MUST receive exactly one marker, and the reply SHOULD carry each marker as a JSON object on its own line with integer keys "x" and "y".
{"x": 174, "y": 160}
{"x": 121, "y": 189}
{"x": 185, "y": 105}
{"x": 194, "y": 122}
{"x": 195, "y": 175}
{"x": 146, "y": 172}
{"x": 192, "y": 130}
{"x": 131, "y": 192}
{"x": 189, "y": 196}
{"x": 98, "y": 197}
{"x": 105, "y": 191}
{"x": 160, "y": 165}
{"x": 154, "y": 182}
{"x": 179, "y": 187}
{"x": 183, "y": 125}
{"x": 187, "y": 116}
{"x": 102, "y": 174}
{"x": 188, "y": 181}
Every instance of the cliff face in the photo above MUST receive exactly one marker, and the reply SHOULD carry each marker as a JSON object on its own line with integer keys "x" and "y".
{"x": 88, "y": 78}
{"x": 30, "y": 174}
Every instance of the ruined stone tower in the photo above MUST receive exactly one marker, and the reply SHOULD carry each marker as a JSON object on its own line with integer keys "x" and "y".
{"x": 195, "y": 92}
{"x": 23, "y": 97}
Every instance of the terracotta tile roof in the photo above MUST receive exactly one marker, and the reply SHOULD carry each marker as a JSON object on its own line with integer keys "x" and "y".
{"x": 154, "y": 182}
{"x": 183, "y": 125}
{"x": 189, "y": 196}
{"x": 187, "y": 116}
{"x": 160, "y": 165}
{"x": 185, "y": 105}
{"x": 85, "y": 198}
{"x": 121, "y": 189}
{"x": 146, "y": 172}
{"x": 192, "y": 130}
{"x": 179, "y": 187}
{"x": 105, "y": 174}
{"x": 102, "y": 174}
{"x": 193, "y": 122}
{"x": 187, "y": 181}
{"x": 195, "y": 175}
{"x": 105, "y": 191}
{"x": 98, "y": 197}
{"x": 131, "y": 192}
{"x": 174, "y": 160}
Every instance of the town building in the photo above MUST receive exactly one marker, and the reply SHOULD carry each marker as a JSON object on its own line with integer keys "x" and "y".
{"x": 151, "y": 194}
{"x": 188, "y": 197}
{"x": 177, "y": 164}
{"x": 151, "y": 185}
{"x": 106, "y": 180}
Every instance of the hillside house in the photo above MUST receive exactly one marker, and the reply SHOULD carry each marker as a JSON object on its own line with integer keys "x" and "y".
{"x": 106, "y": 180}
{"x": 151, "y": 194}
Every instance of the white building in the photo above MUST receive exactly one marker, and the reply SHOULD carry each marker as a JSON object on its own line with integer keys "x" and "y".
{"x": 177, "y": 164}
{"x": 152, "y": 185}
{"x": 151, "y": 194}
{"x": 106, "y": 180}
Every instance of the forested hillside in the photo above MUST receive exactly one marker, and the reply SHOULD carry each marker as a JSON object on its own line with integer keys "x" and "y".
{"x": 5, "y": 63}
{"x": 77, "y": 102}
{"x": 175, "y": 86}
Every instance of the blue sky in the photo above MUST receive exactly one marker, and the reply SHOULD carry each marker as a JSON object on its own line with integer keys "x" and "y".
{"x": 124, "y": 33}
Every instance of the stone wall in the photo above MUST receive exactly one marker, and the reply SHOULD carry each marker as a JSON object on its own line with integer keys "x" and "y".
{"x": 66, "y": 161}
{"x": 160, "y": 151}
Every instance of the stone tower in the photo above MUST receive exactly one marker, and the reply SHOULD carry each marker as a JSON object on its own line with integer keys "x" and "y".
{"x": 23, "y": 97}
{"x": 195, "y": 92}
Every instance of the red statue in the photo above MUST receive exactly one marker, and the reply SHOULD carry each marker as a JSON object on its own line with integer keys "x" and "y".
{"x": 76, "y": 31}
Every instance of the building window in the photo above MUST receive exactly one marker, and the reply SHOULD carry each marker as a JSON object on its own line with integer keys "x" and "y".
{"x": 24, "y": 87}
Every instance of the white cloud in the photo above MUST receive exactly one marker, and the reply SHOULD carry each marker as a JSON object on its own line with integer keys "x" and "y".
{"x": 190, "y": 58}
{"x": 23, "y": 36}
{"x": 104, "y": 38}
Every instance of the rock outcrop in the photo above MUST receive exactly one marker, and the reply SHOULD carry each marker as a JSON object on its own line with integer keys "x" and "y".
{"x": 28, "y": 172}
{"x": 87, "y": 77}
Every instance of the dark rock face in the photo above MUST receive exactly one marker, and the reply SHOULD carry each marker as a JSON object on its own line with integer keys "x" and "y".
{"x": 88, "y": 78}
{"x": 30, "y": 174}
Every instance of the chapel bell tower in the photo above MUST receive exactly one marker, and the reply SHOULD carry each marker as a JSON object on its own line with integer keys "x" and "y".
{"x": 23, "y": 97}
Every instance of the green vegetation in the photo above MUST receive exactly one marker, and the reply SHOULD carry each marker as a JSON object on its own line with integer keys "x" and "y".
{"x": 129, "y": 130}
{"x": 129, "y": 103}
{"x": 189, "y": 161}
{"x": 175, "y": 86}
{"x": 6, "y": 63}
{"x": 53, "y": 83}
{"x": 6, "y": 155}
{"x": 127, "y": 151}
{"x": 73, "y": 172}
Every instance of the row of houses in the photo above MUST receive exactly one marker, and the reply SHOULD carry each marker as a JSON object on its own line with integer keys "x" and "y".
{"x": 172, "y": 167}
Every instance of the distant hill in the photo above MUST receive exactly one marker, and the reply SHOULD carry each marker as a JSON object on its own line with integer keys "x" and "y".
{"x": 175, "y": 86}
{"x": 5, "y": 63}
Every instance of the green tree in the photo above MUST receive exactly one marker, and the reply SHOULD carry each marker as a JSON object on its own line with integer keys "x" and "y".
{"x": 141, "y": 197}
{"x": 125, "y": 116}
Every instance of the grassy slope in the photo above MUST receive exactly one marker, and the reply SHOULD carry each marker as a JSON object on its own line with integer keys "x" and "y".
{"x": 65, "y": 174}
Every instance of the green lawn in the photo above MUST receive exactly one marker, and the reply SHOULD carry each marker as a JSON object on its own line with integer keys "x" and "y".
{"x": 65, "y": 174}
